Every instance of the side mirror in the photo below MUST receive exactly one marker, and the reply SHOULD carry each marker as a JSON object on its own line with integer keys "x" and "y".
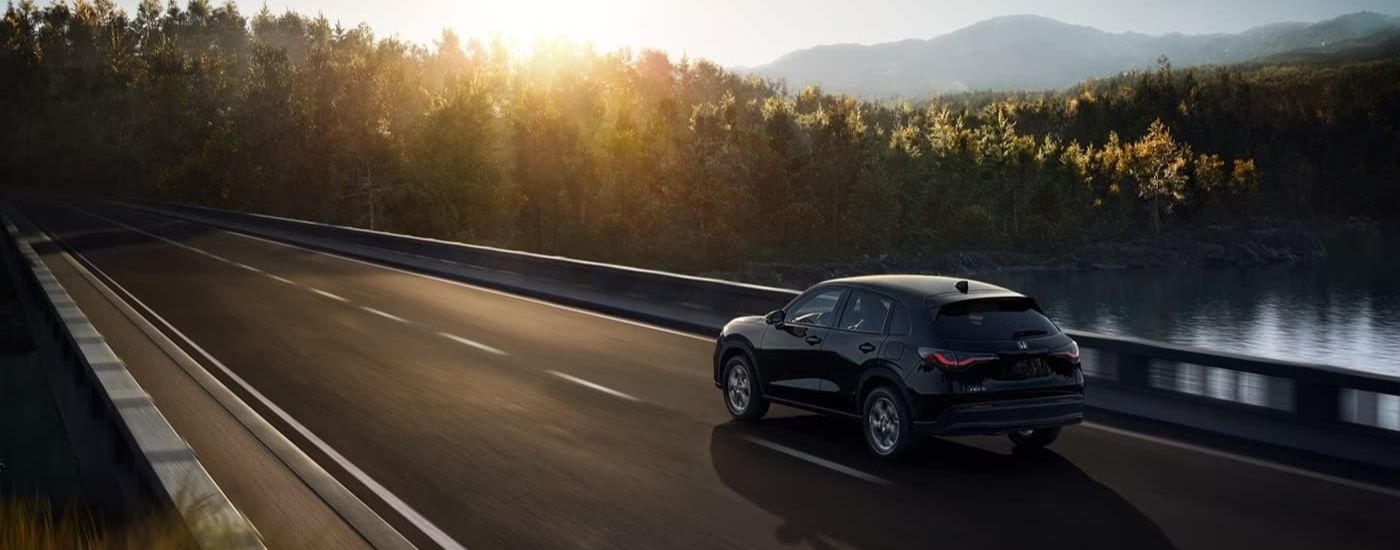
{"x": 774, "y": 317}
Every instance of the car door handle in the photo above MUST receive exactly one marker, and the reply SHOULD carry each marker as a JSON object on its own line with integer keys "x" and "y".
{"x": 867, "y": 347}
{"x": 814, "y": 340}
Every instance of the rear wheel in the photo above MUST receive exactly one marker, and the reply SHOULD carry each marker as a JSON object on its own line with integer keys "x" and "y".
{"x": 1035, "y": 439}
{"x": 741, "y": 396}
{"x": 889, "y": 432}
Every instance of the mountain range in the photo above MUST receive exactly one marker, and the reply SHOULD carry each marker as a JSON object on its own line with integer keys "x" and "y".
{"x": 1029, "y": 52}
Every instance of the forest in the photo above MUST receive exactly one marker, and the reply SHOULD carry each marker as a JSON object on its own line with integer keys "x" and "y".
{"x": 646, "y": 159}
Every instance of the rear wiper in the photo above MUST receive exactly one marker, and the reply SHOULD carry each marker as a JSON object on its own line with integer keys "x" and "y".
{"x": 1029, "y": 332}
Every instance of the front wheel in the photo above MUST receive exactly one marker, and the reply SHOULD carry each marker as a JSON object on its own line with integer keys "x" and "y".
{"x": 741, "y": 396}
{"x": 889, "y": 432}
{"x": 1035, "y": 439}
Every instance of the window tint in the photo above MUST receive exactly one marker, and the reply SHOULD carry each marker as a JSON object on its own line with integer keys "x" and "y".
{"x": 899, "y": 322}
{"x": 991, "y": 320}
{"x": 865, "y": 312}
{"x": 818, "y": 310}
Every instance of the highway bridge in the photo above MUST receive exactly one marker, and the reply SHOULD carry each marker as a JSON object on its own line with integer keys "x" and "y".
{"x": 343, "y": 403}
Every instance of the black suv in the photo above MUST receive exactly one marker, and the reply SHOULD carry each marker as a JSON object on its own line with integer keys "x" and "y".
{"x": 909, "y": 355}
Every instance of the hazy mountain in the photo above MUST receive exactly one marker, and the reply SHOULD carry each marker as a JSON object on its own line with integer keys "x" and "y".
{"x": 1031, "y": 52}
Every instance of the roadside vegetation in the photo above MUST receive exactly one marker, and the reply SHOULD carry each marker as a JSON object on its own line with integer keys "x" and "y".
{"x": 33, "y": 525}
{"x": 644, "y": 159}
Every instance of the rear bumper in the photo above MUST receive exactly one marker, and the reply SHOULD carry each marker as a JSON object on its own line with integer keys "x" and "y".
{"x": 997, "y": 417}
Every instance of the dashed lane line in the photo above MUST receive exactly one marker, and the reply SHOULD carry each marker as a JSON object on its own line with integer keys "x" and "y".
{"x": 280, "y": 279}
{"x": 385, "y": 315}
{"x": 471, "y": 343}
{"x": 478, "y": 288}
{"x": 335, "y": 297}
{"x": 593, "y": 386}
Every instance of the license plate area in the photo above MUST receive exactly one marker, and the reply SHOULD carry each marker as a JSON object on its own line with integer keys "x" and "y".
{"x": 1024, "y": 369}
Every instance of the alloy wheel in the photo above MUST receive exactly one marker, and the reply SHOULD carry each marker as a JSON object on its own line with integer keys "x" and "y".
{"x": 739, "y": 389}
{"x": 883, "y": 422}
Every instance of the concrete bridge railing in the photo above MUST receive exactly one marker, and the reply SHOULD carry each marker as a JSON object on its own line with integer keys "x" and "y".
{"x": 132, "y": 464}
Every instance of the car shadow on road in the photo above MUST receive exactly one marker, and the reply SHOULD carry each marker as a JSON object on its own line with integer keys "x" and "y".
{"x": 947, "y": 495}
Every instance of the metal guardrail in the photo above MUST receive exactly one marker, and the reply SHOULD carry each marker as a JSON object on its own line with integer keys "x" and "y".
{"x": 1338, "y": 412}
{"x": 128, "y": 449}
{"x": 1324, "y": 409}
{"x": 1317, "y": 393}
{"x": 542, "y": 274}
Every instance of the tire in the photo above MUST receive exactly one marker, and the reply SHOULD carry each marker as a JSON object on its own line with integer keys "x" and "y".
{"x": 741, "y": 394}
{"x": 889, "y": 431}
{"x": 1035, "y": 439}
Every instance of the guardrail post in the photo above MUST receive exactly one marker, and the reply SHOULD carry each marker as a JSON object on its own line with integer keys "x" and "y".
{"x": 1314, "y": 401}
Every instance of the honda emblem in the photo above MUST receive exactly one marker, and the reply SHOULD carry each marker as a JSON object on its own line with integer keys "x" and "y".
{"x": 1020, "y": 344}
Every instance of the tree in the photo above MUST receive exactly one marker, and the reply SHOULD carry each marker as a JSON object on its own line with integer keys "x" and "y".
{"x": 670, "y": 163}
{"x": 1157, "y": 165}
{"x": 455, "y": 186}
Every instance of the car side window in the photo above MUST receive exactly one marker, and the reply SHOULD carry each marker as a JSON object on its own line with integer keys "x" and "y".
{"x": 865, "y": 312}
{"x": 818, "y": 310}
{"x": 899, "y": 321}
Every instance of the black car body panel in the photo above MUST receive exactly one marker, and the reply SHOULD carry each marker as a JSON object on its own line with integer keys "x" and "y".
{"x": 1004, "y": 415}
{"x": 829, "y": 365}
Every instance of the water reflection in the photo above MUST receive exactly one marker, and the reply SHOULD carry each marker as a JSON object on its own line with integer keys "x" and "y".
{"x": 1344, "y": 311}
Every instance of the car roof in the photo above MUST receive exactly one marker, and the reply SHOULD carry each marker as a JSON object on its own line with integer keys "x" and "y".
{"x": 933, "y": 289}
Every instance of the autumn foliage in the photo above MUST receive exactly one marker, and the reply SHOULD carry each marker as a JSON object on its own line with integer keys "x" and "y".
{"x": 641, "y": 158}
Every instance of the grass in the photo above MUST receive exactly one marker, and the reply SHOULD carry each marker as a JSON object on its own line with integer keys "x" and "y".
{"x": 33, "y": 525}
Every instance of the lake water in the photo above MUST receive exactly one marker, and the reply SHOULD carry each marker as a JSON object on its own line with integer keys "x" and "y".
{"x": 1343, "y": 311}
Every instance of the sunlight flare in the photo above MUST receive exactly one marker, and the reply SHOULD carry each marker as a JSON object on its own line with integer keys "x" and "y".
{"x": 522, "y": 22}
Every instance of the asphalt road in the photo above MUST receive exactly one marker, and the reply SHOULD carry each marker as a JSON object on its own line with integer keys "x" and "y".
{"x": 511, "y": 423}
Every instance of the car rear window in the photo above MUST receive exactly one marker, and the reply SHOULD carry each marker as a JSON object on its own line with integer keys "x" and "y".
{"x": 995, "y": 319}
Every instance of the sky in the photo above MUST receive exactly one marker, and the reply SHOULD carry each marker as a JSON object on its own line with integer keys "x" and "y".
{"x": 753, "y": 32}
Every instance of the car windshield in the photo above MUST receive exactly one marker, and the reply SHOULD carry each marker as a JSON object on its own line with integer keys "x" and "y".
{"x": 996, "y": 319}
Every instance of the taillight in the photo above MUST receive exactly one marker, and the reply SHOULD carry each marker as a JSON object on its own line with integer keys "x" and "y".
{"x": 1070, "y": 352}
{"x": 953, "y": 360}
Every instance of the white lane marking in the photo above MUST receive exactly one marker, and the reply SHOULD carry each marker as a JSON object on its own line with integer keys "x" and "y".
{"x": 472, "y": 343}
{"x": 422, "y": 523}
{"x": 335, "y": 297}
{"x": 281, "y": 279}
{"x": 819, "y": 461}
{"x": 154, "y": 236}
{"x": 389, "y": 316}
{"x": 471, "y": 286}
{"x": 248, "y": 267}
{"x": 591, "y": 385}
{"x": 1248, "y": 460}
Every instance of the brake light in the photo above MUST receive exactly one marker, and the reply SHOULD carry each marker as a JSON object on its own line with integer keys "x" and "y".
{"x": 953, "y": 360}
{"x": 1070, "y": 352}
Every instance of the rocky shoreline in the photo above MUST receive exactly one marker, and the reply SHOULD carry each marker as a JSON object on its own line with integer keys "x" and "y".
{"x": 1257, "y": 242}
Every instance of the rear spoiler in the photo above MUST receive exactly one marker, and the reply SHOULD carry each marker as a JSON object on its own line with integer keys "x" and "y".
{"x": 936, "y": 301}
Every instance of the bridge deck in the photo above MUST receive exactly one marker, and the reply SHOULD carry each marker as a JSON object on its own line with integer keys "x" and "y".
{"x": 511, "y": 423}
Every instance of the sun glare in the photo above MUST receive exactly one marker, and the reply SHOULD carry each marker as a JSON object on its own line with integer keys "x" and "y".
{"x": 524, "y": 21}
